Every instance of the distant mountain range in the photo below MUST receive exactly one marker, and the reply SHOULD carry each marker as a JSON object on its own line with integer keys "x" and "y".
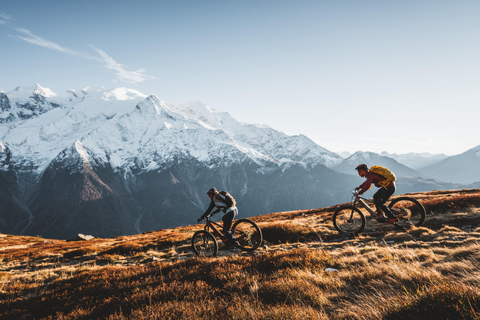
{"x": 416, "y": 161}
{"x": 462, "y": 168}
{"x": 115, "y": 162}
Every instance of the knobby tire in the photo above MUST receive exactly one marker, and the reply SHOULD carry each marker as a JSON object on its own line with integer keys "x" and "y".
{"x": 204, "y": 244}
{"x": 349, "y": 220}
{"x": 248, "y": 234}
{"x": 414, "y": 210}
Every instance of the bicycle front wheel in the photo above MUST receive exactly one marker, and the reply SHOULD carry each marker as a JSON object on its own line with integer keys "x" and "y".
{"x": 247, "y": 234}
{"x": 348, "y": 220}
{"x": 204, "y": 244}
{"x": 409, "y": 211}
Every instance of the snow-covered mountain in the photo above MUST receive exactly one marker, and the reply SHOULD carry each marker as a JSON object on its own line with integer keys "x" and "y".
{"x": 83, "y": 158}
{"x": 126, "y": 129}
{"x": 116, "y": 162}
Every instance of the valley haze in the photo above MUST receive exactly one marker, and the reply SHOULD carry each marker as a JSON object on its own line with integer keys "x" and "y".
{"x": 111, "y": 162}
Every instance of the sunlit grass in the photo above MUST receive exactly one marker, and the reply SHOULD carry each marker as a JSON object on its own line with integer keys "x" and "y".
{"x": 307, "y": 271}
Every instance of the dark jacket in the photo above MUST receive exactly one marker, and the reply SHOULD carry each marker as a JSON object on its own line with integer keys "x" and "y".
{"x": 221, "y": 201}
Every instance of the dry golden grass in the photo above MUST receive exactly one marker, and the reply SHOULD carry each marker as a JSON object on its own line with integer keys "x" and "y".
{"x": 306, "y": 270}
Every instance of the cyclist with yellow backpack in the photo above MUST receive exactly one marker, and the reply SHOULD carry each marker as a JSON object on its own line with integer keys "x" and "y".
{"x": 384, "y": 179}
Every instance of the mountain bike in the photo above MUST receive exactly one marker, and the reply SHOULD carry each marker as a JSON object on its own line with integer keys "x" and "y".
{"x": 247, "y": 234}
{"x": 350, "y": 220}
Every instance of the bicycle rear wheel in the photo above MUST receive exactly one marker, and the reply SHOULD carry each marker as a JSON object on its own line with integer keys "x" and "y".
{"x": 409, "y": 211}
{"x": 247, "y": 234}
{"x": 204, "y": 244}
{"x": 348, "y": 220}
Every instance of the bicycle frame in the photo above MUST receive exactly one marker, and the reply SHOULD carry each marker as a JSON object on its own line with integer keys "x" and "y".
{"x": 214, "y": 225}
{"x": 350, "y": 218}
{"x": 361, "y": 201}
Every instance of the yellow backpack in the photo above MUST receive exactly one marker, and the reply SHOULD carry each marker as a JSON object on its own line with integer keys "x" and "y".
{"x": 384, "y": 172}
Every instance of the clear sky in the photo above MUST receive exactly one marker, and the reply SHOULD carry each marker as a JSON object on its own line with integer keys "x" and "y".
{"x": 377, "y": 75}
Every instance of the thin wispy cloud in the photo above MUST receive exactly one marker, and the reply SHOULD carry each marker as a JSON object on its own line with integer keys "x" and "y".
{"x": 28, "y": 36}
{"x": 123, "y": 73}
{"x": 4, "y": 18}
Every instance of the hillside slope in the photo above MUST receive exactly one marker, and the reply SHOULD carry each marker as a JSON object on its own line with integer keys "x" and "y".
{"x": 305, "y": 269}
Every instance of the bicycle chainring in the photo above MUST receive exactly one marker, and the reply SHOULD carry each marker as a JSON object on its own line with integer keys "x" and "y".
{"x": 403, "y": 213}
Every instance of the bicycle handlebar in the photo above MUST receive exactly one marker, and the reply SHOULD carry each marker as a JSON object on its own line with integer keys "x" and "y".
{"x": 353, "y": 194}
{"x": 358, "y": 196}
{"x": 211, "y": 214}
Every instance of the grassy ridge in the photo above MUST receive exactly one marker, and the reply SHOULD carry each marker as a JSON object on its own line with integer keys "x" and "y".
{"x": 432, "y": 272}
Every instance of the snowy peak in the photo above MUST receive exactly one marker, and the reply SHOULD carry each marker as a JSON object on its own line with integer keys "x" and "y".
{"x": 28, "y": 92}
{"x": 70, "y": 157}
{"x": 43, "y": 92}
{"x": 26, "y": 102}
{"x": 125, "y": 128}
{"x": 76, "y": 157}
{"x": 152, "y": 105}
{"x": 260, "y": 140}
{"x": 207, "y": 116}
{"x": 82, "y": 152}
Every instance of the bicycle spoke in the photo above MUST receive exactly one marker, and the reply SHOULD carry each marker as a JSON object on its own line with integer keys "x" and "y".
{"x": 247, "y": 234}
{"x": 409, "y": 211}
{"x": 204, "y": 244}
{"x": 348, "y": 220}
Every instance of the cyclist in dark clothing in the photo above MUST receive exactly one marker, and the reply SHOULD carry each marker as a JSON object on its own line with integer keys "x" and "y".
{"x": 381, "y": 196}
{"x": 223, "y": 201}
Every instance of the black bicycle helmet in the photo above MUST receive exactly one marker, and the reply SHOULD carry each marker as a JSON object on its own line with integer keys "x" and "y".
{"x": 362, "y": 167}
{"x": 212, "y": 191}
